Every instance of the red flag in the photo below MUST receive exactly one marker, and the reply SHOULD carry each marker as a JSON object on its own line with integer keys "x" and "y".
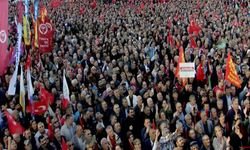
{"x": 50, "y": 129}
{"x": 28, "y": 62}
{"x": 113, "y": 1}
{"x": 170, "y": 39}
{"x": 9, "y": 56}
{"x": 65, "y": 103}
{"x": 39, "y": 108}
{"x": 192, "y": 43}
{"x": 3, "y": 35}
{"x": 193, "y": 28}
{"x": 200, "y": 73}
{"x": 46, "y": 96}
{"x": 93, "y": 5}
{"x": 55, "y": 3}
{"x": 45, "y": 35}
{"x": 64, "y": 145}
{"x": 14, "y": 127}
{"x": 231, "y": 73}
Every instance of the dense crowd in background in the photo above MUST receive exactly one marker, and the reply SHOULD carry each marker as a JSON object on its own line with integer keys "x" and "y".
{"x": 120, "y": 69}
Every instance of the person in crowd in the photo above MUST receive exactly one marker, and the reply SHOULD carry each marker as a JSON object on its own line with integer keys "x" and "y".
{"x": 111, "y": 75}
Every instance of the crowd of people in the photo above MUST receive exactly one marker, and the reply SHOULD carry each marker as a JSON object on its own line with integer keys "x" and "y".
{"x": 120, "y": 60}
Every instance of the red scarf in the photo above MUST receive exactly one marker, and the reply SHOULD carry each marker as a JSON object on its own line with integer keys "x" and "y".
{"x": 112, "y": 141}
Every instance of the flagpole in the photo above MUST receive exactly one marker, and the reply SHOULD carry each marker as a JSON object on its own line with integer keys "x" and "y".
{"x": 9, "y": 142}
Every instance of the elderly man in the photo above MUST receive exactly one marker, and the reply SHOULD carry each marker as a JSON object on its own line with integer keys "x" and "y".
{"x": 204, "y": 126}
{"x": 41, "y": 131}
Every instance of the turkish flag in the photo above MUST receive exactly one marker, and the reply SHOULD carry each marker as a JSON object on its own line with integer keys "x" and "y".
{"x": 14, "y": 127}
{"x": 3, "y": 35}
{"x": 46, "y": 96}
{"x": 39, "y": 108}
{"x": 45, "y": 35}
{"x": 200, "y": 73}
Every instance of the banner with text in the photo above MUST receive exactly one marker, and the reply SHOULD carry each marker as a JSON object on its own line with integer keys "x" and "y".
{"x": 187, "y": 70}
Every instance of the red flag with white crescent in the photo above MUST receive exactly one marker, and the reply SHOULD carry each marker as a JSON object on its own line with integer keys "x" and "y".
{"x": 14, "y": 127}
{"x": 3, "y": 35}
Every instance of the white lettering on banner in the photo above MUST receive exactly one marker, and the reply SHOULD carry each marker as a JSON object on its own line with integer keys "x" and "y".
{"x": 3, "y": 36}
{"x": 187, "y": 70}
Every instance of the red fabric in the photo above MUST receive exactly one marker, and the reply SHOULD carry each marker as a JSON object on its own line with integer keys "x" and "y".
{"x": 112, "y": 141}
{"x": 192, "y": 43}
{"x": 39, "y": 108}
{"x": 55, "y": 3}
{"x": 45, "y": 35}
{"x": 180, "y": 60}
{"x": 93, "y": 5}
{"x": 3, "y": 35}
{"x": 170, "y": 39}
{"x": 193, "y": 28}
{"x": 28, "y": 62}
{"x": 65, "y": 103}
{"x": 64, "y": 145}
{"x": 142, "y": 6}
{"x": 46, "y": 96}
{"x": 113, "y": 1}
{"x": 231, "y": 73}
{"x": 20, "y": 12}
{"x": 14, "y": 127}
{"x": 50, "y": 129}
{"x": 200, "y": 73}
{"x": 82, "y": 10}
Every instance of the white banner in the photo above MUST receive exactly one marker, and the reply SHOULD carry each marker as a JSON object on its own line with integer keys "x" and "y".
{"x": 12, "y": 84}
{"x": 187, "y": 70}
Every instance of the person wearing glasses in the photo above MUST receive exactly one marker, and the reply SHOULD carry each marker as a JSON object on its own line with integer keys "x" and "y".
{"x": 70, "y": 145}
